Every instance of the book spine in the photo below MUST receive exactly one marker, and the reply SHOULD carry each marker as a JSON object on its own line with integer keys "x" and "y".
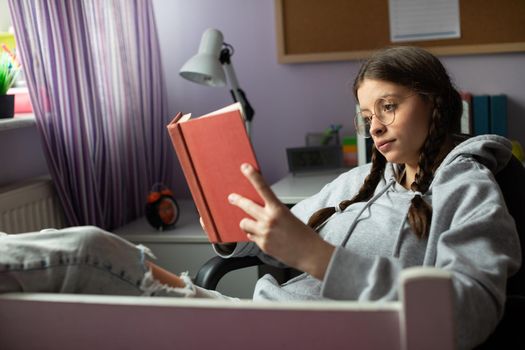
{"x": 364, "y": 150}
{"x": 369, "y": 144}
{"x": 349, "y": 151}
{"x": 481, "y": 114}
{"x": 361, "y": 150}
{"x": 466, "y": 116}
{"x": 498, "y": 114}
{"x": 364, "y": 146}
{"x": 177, "y": 138}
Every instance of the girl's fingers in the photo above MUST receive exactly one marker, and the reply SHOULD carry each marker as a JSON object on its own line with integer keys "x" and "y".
{"x": 249, "y": 226}
{"x": 248, "y": 206}
{"x": 259, "y": 184}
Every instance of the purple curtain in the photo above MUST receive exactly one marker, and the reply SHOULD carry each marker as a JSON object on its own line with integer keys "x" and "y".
{"x": 94, "y": 75}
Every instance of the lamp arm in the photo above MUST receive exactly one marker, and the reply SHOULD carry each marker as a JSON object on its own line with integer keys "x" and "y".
{"x": 238, "y": 94}
{"x": 232, "y": 82}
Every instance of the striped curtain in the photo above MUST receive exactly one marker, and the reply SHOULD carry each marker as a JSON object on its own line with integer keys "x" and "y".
{"x": 94, "y": 75}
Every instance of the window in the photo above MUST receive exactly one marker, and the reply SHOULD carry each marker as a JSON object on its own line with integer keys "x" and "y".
{"x": 22, "y": 104}
{"x": 5, "y": 18}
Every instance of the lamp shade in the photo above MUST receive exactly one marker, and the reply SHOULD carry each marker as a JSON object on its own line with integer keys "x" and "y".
{"x": 205, "y": 67}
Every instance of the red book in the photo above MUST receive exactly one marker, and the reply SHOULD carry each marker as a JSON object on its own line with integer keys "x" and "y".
{"x": 211, "y": 149}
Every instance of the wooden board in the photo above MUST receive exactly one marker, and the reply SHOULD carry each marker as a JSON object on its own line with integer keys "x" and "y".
{"x": 333, "y": 30}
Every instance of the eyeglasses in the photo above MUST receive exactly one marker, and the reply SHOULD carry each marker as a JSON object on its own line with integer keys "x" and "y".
{"x": 384, "y": 112}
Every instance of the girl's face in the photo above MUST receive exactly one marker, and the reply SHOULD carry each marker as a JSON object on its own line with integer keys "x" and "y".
{"x": 401, "y": 141}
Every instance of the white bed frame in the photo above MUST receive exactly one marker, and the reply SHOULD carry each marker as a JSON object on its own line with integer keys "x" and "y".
{"x": 422, "y": 319}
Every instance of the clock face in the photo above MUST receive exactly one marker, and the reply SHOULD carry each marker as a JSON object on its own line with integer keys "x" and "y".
{"x": 314, "y": 158}
{"x": 168, "y": 211}
{"x": 163, "y": 213}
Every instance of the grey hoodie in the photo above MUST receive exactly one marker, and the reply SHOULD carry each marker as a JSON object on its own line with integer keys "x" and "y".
{"x": 471, "y": 235}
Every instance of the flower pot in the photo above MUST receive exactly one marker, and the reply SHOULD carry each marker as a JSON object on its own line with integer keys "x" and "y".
{"x": 7, "y": 106}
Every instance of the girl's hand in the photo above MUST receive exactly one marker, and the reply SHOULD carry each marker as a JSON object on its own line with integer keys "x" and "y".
{"x": 278, "y": 232}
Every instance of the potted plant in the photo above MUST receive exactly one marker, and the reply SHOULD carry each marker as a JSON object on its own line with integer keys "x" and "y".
{"x": 8, "y": 72}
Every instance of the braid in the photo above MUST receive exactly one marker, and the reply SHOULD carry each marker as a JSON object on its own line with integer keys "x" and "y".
{"x": 365, "y": 192}
{"x": 420, "y": 212}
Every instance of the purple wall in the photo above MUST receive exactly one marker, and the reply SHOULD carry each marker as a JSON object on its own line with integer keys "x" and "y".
{"x": 293, "y": 99}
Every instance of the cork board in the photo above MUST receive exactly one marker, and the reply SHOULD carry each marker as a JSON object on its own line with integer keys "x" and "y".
{"x": 336, "y": 30}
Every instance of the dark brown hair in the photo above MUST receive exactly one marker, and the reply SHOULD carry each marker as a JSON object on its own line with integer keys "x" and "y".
{"x": 421, "y": 72}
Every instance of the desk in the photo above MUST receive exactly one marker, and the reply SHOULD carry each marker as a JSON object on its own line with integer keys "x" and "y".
{"x": 187, "y": 229}
{"x": 291, "y": 189}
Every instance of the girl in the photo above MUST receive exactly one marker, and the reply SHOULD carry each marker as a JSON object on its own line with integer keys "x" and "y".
{"x": 426, "y": 199}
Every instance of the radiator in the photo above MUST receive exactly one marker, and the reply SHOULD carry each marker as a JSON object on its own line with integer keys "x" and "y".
{"x": 30, "y": 206}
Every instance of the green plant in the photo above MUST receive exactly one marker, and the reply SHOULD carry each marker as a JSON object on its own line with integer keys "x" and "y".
{"x": 8, "y": 72}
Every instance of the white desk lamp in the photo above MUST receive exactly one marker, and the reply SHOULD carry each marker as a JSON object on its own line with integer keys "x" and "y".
{"x": 205, "y": 68}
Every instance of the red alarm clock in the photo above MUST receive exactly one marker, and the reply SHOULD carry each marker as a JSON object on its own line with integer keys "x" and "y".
{"x": 162, "y": 210}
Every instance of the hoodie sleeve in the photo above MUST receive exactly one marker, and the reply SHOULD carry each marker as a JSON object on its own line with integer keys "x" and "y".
{"x": 472, "y": 235}
{"x": 481, "y": 248}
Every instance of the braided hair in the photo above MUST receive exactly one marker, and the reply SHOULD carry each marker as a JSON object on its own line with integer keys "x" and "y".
{"x": 421, "y": 72}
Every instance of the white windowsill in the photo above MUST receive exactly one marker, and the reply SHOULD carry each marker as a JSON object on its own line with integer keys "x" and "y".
{"x": 21, "y": 120}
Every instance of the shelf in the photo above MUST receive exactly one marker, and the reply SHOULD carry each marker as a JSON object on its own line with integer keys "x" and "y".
{"x": 186, "y": 230}
{"x": 19, "y": 121}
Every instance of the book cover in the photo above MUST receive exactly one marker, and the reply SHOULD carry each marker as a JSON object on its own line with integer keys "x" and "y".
{"x": 211, "y": 149}
{"x": 498, "y": 114}
{"x": 466, "y": 116}
{"x": 481, "y": 114}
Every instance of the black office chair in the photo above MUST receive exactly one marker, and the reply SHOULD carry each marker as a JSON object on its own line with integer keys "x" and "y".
{"x": 509, "y": 334}
{"x": 510, "y": 330}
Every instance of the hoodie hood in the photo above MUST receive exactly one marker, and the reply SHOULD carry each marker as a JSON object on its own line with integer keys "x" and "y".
{"x": 492, "y": 151}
